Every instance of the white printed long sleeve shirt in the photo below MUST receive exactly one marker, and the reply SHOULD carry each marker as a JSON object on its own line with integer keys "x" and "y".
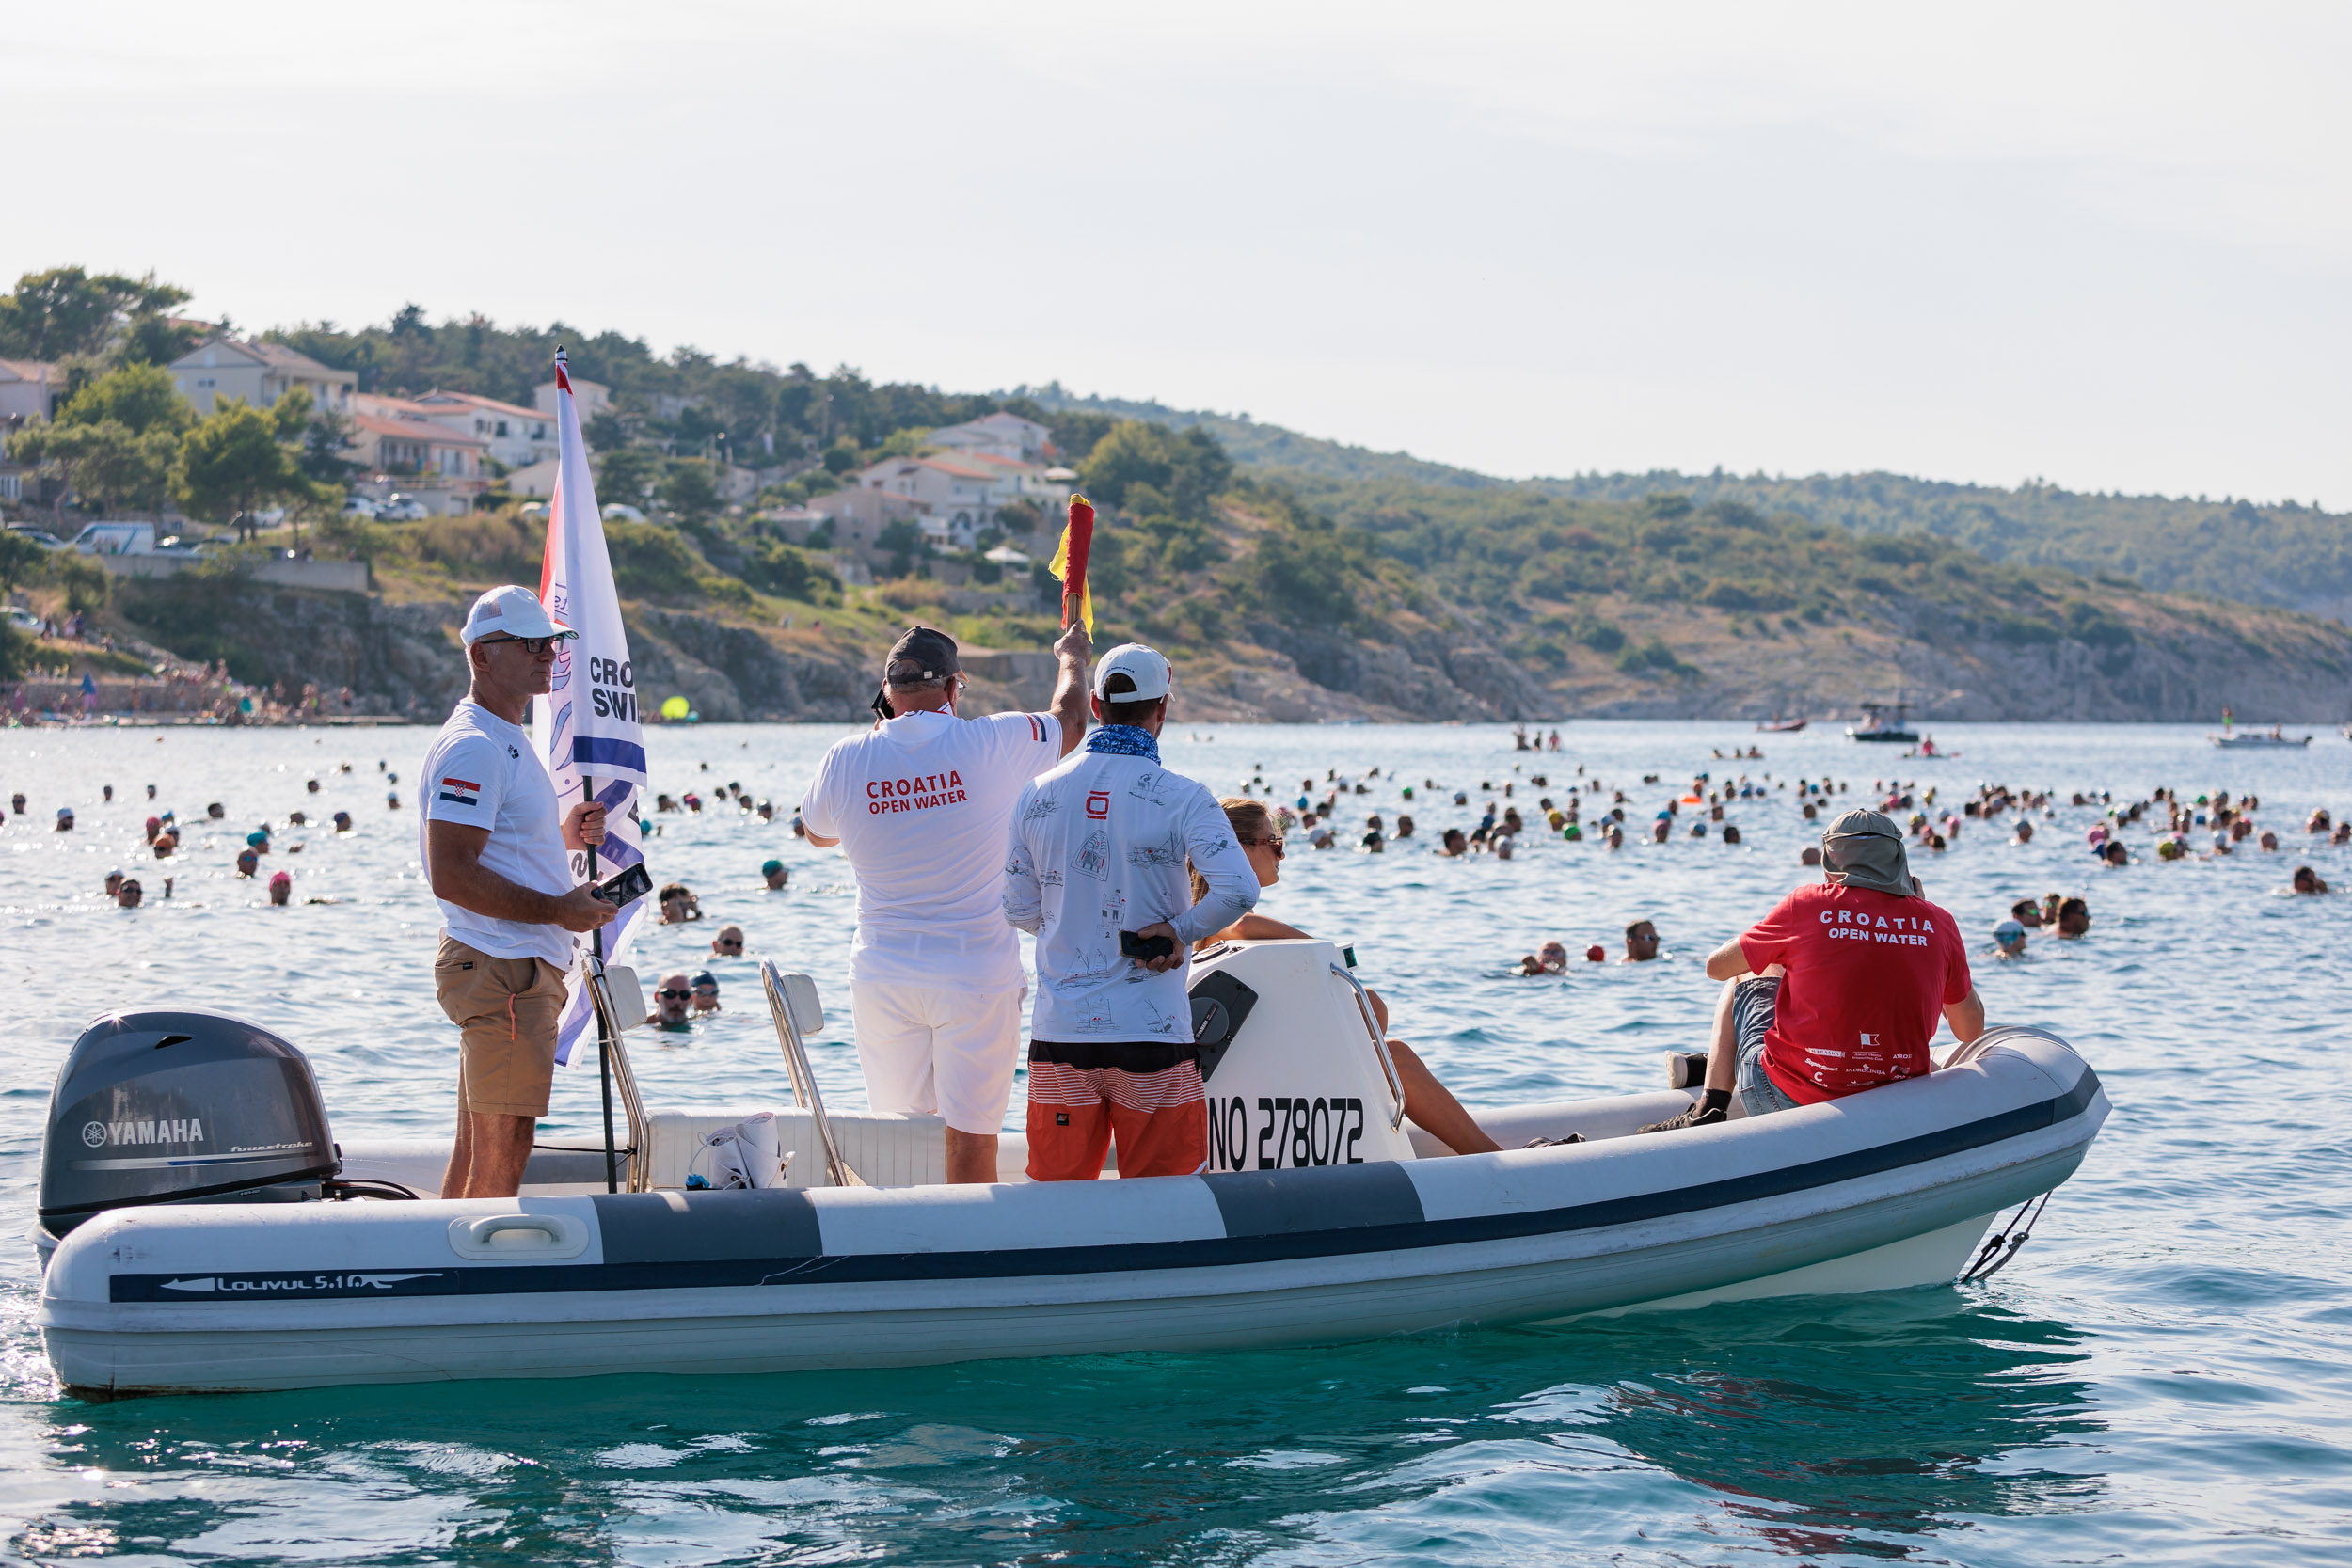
{"x": 1100, "y": 846}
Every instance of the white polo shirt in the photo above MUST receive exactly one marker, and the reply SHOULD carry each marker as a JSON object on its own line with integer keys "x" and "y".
{"x": 483, "y": 771}
{"x": 921, "y": 805}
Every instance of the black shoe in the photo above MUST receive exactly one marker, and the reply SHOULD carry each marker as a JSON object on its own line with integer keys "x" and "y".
{"x": 1553, "y": 1143}
{"x": 1686, "y": 1069}
{"x": 1697, "y": 1115}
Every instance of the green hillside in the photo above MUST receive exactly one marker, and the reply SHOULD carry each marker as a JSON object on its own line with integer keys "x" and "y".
{"x": 2283, "y": 553}
{"x": 1287, "y": 574}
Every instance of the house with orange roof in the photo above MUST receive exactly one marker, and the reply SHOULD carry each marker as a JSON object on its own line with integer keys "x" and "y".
{"x": 436, "y": 465}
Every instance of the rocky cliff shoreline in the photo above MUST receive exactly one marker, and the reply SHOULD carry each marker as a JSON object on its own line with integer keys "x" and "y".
{"x": 2178, "y": 664}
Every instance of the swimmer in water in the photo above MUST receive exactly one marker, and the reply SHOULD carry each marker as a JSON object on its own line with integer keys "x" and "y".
{"x": 2008, "y": 939}
{"x": 1640, "y": 942}
{"x": 1428, "y": 1104}
{"x": 1550, "y": 958}
{"x": 672, "y": 1004}
{"x": 2307, "y": 880}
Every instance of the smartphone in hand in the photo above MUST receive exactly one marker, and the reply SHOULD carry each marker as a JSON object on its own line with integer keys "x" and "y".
{"x": 1136, "y": 945}
{"x": 627, "y": 886}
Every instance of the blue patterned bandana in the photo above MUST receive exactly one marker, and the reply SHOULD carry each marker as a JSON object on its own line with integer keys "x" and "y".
{"x": 1124, "y": 740}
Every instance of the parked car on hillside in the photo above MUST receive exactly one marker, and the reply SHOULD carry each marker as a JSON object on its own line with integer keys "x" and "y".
{"x": 24, "y": 620}
{"x": 403, "y": 509}
{"x": 622, "y": 511}
{"x": 41, "y": 536}
{"x": 359, "y": 506}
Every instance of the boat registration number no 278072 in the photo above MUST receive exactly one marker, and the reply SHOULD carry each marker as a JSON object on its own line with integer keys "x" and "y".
{"x": 1279, "y": 1131}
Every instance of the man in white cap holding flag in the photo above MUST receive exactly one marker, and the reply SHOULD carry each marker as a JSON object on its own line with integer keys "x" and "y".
{"x": 496, "y": 853}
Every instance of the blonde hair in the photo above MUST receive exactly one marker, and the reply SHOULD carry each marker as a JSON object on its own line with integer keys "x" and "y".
{"x": 1249, "y": 820}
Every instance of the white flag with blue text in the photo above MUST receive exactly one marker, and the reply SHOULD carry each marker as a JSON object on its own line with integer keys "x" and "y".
{"x": 586, "y": 725}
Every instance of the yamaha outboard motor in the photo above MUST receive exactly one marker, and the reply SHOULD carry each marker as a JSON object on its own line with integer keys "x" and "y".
{"x": 165, "y": 1107}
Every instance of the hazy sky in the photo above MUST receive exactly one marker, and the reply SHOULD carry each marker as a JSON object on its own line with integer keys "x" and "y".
{"x": 2105, "y": 245}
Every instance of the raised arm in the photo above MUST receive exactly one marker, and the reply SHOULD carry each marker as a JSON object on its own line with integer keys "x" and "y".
{"x": 1071, "y": 650}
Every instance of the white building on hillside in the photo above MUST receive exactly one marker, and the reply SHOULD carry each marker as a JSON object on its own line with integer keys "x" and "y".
{"x": 957, "y": 497}
{"x": 1005, "y": 435}
{"x": 518, "y": 436}
{"x": 261, "y": 373}
{"x": 29, "y": 389}
{"x": 590, "y": 397}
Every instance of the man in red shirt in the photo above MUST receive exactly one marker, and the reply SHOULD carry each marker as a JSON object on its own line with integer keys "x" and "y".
{"x": 1839, "y": 989}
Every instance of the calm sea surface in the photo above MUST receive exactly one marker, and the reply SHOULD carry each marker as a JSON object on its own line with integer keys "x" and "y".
{"x": 2165, "y": 1375}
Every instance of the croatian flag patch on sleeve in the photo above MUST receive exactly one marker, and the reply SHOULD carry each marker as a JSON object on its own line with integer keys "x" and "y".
{"x": 460, "y": 792}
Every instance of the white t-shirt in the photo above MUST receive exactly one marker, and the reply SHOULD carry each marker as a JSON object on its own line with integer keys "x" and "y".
{"x": 483, "y": 771}
{"x": 920, "y": 806}
{"x": 1099, "y": 846}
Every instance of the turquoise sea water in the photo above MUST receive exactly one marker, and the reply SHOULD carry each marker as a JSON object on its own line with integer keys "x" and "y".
{"x": 2165, "y": 1375}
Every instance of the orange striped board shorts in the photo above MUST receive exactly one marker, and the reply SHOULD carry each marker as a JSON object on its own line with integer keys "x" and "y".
{"x": 1146, "y": 1096}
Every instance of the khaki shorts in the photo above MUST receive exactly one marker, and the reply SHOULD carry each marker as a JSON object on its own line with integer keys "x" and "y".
{"x": 506, "y": 1011}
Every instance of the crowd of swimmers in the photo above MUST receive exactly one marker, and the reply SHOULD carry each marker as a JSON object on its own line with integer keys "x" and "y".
{"x": 164, "y": 837}
{"x": 1585, "y": 808}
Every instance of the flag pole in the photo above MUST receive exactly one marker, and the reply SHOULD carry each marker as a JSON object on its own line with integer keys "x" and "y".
{"x": 604, "y": 1024}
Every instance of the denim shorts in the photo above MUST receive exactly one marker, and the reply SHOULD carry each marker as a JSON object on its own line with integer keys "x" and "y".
{"x": 1752, "y": 1004}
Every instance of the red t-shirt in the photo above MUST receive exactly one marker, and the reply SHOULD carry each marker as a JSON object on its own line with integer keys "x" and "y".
{"x": 1869, "y": 976}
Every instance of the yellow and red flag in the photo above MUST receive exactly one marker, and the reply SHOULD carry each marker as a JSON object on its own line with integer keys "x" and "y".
{"x": 1069, "y": 562}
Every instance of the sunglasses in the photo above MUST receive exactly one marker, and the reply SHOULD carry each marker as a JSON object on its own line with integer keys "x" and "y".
{"x": 1273, "y": 843}
{"x": 534, "y": 647}
{"x": 675, "y": 995}
{"x": 728, "y": 946}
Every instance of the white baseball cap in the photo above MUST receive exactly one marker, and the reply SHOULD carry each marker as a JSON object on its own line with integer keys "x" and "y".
{"x": 1144, "y": 666}
{"x": 512, "y": 611}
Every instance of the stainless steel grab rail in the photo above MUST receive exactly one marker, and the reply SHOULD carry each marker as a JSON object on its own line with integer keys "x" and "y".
{"x": 1379, "y": 1043}
{"x": 804, "y": 1090}
{"x": 623, "y": 1076}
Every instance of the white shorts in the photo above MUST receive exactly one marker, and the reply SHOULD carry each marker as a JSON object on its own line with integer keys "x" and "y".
{"x": 937, "y": 1051}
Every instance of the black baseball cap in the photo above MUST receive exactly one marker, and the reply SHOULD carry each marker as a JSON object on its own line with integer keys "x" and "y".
{"x": 921, "y": 656}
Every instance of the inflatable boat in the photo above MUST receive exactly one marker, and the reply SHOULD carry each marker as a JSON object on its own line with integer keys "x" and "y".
{"x": 207, "y": 1231}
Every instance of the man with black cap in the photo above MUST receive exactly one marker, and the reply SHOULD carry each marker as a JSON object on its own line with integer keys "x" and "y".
{"x": 920, "y": 805}
{"x": 1839, "y": 989}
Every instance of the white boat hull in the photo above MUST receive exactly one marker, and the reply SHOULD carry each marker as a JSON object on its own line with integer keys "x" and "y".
{"x": 1880, "y": 1191}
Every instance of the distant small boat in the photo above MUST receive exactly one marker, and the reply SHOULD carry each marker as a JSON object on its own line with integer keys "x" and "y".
{"x": 1883, "y": 722}
{"x": 1777, "y": 725}
{"x": 2258, "y": 741}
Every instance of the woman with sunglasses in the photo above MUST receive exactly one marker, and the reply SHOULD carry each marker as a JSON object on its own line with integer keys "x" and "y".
{"x": 1428, "y": 1103}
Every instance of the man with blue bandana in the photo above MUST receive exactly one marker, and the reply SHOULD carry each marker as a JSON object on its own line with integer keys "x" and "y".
{"x": 1099, "y": 853}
